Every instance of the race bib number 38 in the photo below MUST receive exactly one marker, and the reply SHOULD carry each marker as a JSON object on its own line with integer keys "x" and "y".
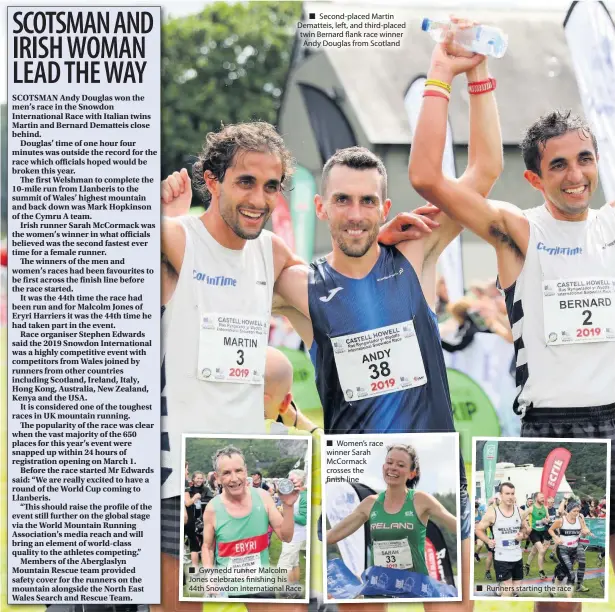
{"x": 379, "y": 361}
{"x": 579, "y": 310}
{"x": 232, "y": 348}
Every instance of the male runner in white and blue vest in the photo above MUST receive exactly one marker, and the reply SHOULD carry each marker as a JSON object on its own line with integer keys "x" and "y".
{"x": 366, "y": 309}
{"x": 556, "y": 264}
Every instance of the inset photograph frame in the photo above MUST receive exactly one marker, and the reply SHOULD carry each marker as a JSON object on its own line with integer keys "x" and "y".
{"x": 381, "y": 493}
{"x": 541, "y": 519}
{"x": 234, "y": 556}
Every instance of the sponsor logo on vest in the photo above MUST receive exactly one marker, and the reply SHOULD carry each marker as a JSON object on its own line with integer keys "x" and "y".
{"x": 409, "y": 513}
{"x": 216, "y": 281}
{"x": 408, "y": 526}
{"x": 541, "y": 246}
{"x": 332, "y": 292}
{"x": 398, "y": 273}
{"x": 609, "y": 244}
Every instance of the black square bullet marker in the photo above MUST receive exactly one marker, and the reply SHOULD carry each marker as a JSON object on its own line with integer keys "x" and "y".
{"x": 312, "y": 15}
{"x": 479, "y": 587}
{"x": 191, "y": 570}
{"x": 329, "y": 442}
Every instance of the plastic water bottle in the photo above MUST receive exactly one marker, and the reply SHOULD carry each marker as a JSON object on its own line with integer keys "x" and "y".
{"x": 486, "y": 40}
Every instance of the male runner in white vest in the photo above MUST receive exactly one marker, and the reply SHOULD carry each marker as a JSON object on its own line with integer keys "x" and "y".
{"x": 506, "y": 523}
{"x": 556, "y": 264}
{"x": 216, "y": 318}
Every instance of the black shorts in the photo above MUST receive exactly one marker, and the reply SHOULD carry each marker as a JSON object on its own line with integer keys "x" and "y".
{"x": 193, "y": 539}
{"x": 539, "y": 536}
{"x": 505, "y": 570}
{"x": 596, "y": 422}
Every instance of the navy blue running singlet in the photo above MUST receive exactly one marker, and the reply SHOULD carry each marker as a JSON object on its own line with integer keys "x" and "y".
{"x": 390, "y": 294}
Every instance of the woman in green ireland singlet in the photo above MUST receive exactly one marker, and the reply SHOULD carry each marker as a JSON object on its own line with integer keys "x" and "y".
{"x": 398, "y": 516}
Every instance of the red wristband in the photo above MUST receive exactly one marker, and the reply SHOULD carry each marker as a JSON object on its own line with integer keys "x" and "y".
{"x": 480, "y": 87}
{"x": 435, "y": 94}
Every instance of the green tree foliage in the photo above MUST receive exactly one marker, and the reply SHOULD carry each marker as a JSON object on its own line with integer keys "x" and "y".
{"x": 262, "y": 455}
{"x": 226, "y": 64}
{"x": 587, "y": 467}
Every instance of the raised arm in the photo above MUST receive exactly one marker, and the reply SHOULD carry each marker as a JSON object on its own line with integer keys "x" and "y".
{"x": 500, "y": 224}
{"x": 175, "y": 200}
{"x": 429, "y": 507}
{"x": 356, "y": 519}
{"x": 282, "y": 523}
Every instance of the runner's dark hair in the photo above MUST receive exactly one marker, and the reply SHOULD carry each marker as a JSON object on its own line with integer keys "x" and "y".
{"x": 221, "y": 148}
{"x": 357, "y": 158}
{"x": 414, "y": 462}
{"x": 551, "y": 125}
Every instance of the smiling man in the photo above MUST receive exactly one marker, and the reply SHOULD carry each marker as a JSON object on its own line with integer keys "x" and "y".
{"x": 236, "y": 522}
{"x": 556, "y": 264}
{"x": 222, "y": 268}
{"x": 366, "y": 310}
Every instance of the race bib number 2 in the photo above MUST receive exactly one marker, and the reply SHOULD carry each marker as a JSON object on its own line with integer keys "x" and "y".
{"x": 379, "y": 361}
{"x": 232, "y": 348}
{"x": 579, "y": 310}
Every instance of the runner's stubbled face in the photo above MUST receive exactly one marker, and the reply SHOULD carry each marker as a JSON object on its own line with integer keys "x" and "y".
{"x": 354, "y": 208}
{"x": 507, "y": 497}
{"x": 232, "y": 475}
{"x": 569, "y": 172}
{"x": 540, "y": 499}
{"x": 397, "y": 469}
{"x": 248, "y": 194}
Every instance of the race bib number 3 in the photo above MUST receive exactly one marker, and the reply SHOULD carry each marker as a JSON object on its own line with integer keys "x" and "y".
{"x": 379, "y": 361}
{"x": 232, "y": 348}
{"x": 579, "y": 310}
{"x": 392, "y": 553}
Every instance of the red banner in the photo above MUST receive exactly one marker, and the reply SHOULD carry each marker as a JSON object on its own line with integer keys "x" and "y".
{"x": 553, "y": 471}
{"x": 431, "y": 560}
{"x": 282, "y": 222}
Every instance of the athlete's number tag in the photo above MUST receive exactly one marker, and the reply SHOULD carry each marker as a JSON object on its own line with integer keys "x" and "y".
{"x": 392, "y": 553}
{"x": 246, "y": 562}
{"x": 232, "y": 348}
{"x": 379, "y": 361}
{"x": 579, "y": 310}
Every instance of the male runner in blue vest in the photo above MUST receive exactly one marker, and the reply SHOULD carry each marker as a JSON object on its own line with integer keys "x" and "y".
{"x": 366, "y": 309}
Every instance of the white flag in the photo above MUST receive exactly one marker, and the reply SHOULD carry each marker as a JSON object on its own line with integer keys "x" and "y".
{"x": 590, "y": 33}
{"x": 450, "y": 262}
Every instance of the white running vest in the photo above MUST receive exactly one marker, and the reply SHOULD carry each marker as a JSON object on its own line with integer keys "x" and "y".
{"x": 570, "y": 532}
{"x": 505, "y": 528}
{"x": 563, "y": 316}
{"x": 215, "y": 330}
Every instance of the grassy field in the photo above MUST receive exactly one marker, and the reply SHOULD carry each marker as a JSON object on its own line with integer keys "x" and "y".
{"x": 596, "y": 591}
